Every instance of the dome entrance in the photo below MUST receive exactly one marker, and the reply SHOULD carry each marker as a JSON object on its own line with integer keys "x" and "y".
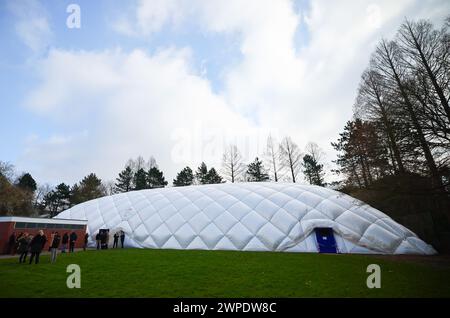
{"x": 326, "y": 243}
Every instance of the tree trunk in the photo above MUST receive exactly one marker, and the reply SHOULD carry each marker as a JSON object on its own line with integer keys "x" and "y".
{"x": 363, "y": 170}
{"x": 390, "y": 133}
{"x": 292, "y": 168}
{"x": 274, "y": 167}
{"x": 423, "y": 143}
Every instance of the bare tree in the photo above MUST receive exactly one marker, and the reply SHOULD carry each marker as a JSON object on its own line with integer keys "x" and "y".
{"x": 109, "y": 187}
{"x": 315, "y": 151}
{"x": 232, "y": 165}
{"x": 151, "y": 163}
{"x": 290, "y": 157}
{"x": 40, "y": 193}
{"x": 7, "y": 170}
{"x": 140, "y": 163}
{"x": 425, "y": 50}
{"x": 273, "y": 155}
{"x": 374, "y": 103}
{"x": 426, "y": 56}
{"x": 387, "y": 59}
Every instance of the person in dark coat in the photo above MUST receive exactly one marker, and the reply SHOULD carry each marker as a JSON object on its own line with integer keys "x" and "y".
{"x": 44, "y": 241}
{"x": 107, "y": 239}
{"x": 86, "y": 240}
{"x": 16, "y": 245}
{"x": 36, "y": 245}
{"x": 73, "y": 239}
{"x": 122, "y": 237}
{"x": 54, "y": 247}
{"x": 22, "y": 249}
{"x": 11, "y": 243}
{"x": 52, "y": 236}
{"x": 64, "y": 241}
{"x": 116, "y": 240}
{"x": 98, "y": 238}
{"x": 103, "y": 243}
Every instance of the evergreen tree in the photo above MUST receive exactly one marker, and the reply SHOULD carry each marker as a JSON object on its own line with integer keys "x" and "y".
{"x": 205, "y": 176}
{"x": 75, "y": 196}
{"x": 155, "y": 178}
{"x": 57, "y": 200}
{"x": 362, "y": 157}
{"x": 256, "y": 171}
{"x": 89, "y": 188}
{"x": 312, "y": 170}
{"x": 213, "y": 177}
{"x": 202, "y": 174}
{"x": 184, "y": 178}
{"x": 140, "y": 180}
{"x": 26, "y": 182}
{"x": 125, "y": 180}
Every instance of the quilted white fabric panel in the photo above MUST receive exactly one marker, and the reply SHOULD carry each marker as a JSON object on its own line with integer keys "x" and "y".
{"x": 261, "y": 216}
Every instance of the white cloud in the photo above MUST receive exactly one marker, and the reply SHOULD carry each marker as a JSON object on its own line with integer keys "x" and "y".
{"x": 309, "y": 93}
{"x": 149, "y": 17}
{"x": 159, "y": 105}
{"x": 130, "y": 104}
{"x": 32, "y": 25}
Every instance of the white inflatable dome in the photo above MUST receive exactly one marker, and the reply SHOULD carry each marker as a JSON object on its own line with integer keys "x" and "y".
{"x": 260, "y": 216}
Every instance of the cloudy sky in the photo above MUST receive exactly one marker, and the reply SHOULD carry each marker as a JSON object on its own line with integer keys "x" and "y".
{"x": 179, "y": 79}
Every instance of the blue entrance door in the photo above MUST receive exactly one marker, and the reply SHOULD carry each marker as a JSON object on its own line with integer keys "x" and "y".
{"x": 325, "y": 240}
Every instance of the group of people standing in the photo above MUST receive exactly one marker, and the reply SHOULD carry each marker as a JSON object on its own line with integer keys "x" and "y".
{"x": 30, "y": 244}
{"x": 26, "y": 243}
{"x": 102, "y": 239}
{"x": 120, "y": 234}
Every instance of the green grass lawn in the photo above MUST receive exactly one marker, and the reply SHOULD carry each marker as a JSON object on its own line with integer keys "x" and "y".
{"x": 172, "y": 273}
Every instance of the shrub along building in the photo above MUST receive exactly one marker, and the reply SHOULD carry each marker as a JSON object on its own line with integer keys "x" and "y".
{"x": 17, "y": 225}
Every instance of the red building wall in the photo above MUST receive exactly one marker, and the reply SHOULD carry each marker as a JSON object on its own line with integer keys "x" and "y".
{"x": 7, "y": 228}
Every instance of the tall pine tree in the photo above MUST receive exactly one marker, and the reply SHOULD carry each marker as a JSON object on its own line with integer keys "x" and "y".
{"x": 26, "y": 182}
{"x": 125, "y": 180}
{"x": 312, "y": 170}
{"x": 155, "y": 178}
{"x": 202, "y": 174}
{"x": 140, "y": 180}
{"x": 213, "y": 177}
{"x": 184, "y": 178}
{"x": 205, "y": 176}
{"x": 256, "y": 171}
{"x": 89, "y": 188}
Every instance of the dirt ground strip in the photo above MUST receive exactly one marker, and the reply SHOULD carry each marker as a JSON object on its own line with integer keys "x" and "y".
{"x": 433, "y": 260}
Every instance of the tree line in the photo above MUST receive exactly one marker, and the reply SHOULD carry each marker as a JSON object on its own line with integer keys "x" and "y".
{"x": 397, "y": 145}
{"x": 21, "y": 195}
{"x": 284, "y": 159}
